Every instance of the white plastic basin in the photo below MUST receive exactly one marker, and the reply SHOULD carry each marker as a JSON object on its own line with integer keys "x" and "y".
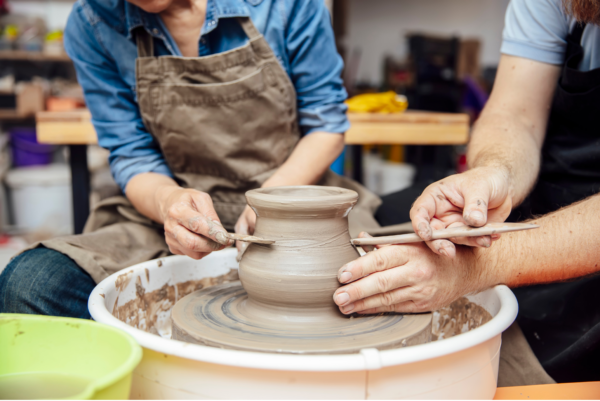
{"x": 461, "y": 367}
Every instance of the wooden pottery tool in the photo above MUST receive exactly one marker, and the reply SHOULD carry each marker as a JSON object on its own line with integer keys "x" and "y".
{"x": 247, "y": 238}
{"x": 456, "y": 232}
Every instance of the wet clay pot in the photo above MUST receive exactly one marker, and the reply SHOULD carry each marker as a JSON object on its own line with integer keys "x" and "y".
{"x": 285, "y": 300}
{"x": 310, "y": 227}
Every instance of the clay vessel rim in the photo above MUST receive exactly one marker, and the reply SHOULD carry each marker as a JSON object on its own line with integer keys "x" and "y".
{"x": 330, "y": 195}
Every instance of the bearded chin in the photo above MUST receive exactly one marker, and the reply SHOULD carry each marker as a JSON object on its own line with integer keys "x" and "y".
{"x": 587, "y": 11}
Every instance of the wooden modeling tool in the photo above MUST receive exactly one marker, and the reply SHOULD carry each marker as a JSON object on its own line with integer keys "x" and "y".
{"x": 247, "y": 238}
{"x": 456, "y": 232}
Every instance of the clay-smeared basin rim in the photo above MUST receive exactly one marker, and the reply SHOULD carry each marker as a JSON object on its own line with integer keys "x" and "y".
{"x": 367, "y": 359}
{"x": 303, "y": 198}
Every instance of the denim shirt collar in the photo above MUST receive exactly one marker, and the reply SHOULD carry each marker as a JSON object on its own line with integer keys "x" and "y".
{"x": 215, "y": 9}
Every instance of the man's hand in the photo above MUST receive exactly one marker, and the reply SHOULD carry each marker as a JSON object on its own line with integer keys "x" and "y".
{"x": 192, "y": 226}
{"x": 407, "y": 279}
{"x": 477, "y": 197}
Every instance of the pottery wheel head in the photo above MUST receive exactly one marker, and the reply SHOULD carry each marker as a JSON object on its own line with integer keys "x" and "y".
{"x": 223, "y": 316}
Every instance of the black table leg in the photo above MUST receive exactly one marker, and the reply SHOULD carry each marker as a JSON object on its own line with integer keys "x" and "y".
{"x": 80, "y": 182}
{"x": 357, "y": 163}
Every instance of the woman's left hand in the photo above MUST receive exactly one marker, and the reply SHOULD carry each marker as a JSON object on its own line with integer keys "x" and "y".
{"x": 245, "y": 225}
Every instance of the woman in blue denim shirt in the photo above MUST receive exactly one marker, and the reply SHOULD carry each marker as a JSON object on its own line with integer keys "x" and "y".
{"x": 198, "y": 101}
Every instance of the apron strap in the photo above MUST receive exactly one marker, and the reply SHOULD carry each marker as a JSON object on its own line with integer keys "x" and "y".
{"x": 145, "y": 43}
{"x": 249, "y": 27}
{"x": 577, "y": 32}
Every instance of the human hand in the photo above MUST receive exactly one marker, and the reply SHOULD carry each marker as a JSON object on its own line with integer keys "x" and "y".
{"x": 476, "y": 197}
{"x": 192, "y": 226}
{"x": 408, "y": 279}
{"x": 245, "y": 225}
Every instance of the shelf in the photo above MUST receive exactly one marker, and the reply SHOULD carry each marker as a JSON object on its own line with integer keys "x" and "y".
{"x": 19, "y": 55}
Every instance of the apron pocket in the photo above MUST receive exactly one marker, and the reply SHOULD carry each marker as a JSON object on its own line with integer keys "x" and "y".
{"x": 226, "y": 130}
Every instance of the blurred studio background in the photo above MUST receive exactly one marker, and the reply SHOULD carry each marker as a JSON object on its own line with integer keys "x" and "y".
{"x": 436, "y": 56}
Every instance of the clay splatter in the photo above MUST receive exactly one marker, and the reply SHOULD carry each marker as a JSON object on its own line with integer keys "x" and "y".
{"x": 123, "y": 280}
{"x": 143, "y": 312}
{"x": 459, "y": 317}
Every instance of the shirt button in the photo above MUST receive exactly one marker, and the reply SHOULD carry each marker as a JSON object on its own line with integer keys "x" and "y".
{"x": 155, "y": 31}
{"x": 212, "y": 23}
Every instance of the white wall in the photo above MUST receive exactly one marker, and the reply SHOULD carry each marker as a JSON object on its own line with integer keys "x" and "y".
{"x": 55, "y": 13}
{"x": 378, "y": 27}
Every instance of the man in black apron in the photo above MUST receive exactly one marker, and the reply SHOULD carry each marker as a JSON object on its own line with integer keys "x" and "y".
{"x": 561, "y": 321}
{"x": 510, "y": 144}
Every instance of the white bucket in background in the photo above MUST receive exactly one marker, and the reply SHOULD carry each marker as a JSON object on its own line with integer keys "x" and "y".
{"x": 396, "y": 177}
{"x": 383, "y": 177}
{"x": 372, "y": 172}
{"x": 41, "y": 198}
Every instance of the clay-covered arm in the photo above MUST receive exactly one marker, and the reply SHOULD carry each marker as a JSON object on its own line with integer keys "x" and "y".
{"x": 410, "y": 278}
{"x": 504, "y": 156}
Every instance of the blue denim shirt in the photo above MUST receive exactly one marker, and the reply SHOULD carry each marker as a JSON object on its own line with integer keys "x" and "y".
{"x": 99, "y": 39}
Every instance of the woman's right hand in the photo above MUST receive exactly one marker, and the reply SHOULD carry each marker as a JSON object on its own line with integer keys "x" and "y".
{"x": 192, "y": 226}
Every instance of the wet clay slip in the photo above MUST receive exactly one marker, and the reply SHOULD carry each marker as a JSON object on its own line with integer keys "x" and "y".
{"x": 285, "y": 300}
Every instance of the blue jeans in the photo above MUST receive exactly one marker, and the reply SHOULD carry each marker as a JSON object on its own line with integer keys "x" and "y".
{"x": 42, "y": 281}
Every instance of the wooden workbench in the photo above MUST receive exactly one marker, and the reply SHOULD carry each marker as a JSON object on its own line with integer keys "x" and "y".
{"x": 563, "y": 391}
{"x": 74, "y": 128}
{"x": 408, "y": 128}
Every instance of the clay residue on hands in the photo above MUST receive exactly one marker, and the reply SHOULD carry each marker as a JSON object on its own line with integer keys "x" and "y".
{"x": 459, "y": 317}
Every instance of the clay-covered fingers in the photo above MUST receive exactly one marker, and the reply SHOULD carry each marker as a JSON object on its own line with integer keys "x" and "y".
{"x": 441, "y": 246}
{"x": 198, "y": 217}
{"x": 484, "y": 241}
{"x": 477, "y": 198}
{"x": 376, "y": 273}
{"x": 434, "y": 202}
{"x": 189, "y": 241}
{"x": 383, "y": 288}
{"x": 177, "y": 249}
{"x": 421, "y": 214}
{"x": 245, "y": 225}
{"x": 384, "y": 258}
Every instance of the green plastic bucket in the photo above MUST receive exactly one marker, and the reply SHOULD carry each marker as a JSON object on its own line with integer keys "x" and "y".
{"x": 64, "y": 358}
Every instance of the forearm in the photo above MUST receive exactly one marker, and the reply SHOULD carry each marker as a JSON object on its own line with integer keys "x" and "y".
{"x": 564, "y": 247}
{"x": 309, "y": 160}
{"x": 511, "y": 129}
{"x": 147, "y": 190}
{"x": 505, "y": 143}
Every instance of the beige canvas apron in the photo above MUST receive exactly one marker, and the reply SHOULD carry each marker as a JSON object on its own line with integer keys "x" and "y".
{"x": 224, "y": 124}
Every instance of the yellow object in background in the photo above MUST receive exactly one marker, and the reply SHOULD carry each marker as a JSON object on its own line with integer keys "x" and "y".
{"x": 387, "y": 102}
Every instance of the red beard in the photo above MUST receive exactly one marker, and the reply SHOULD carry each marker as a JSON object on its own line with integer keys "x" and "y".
{"x": 587, "y": 11}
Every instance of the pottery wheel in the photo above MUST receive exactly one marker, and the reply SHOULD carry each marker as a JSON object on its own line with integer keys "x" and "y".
{"x": 223, "y": 316}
